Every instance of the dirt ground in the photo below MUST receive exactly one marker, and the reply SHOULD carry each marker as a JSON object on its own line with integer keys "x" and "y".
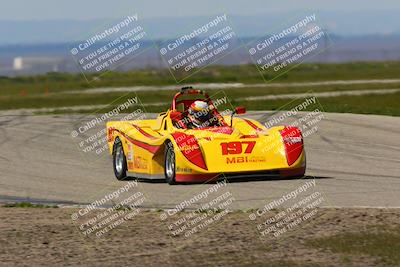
{"x": 48, "y": 236}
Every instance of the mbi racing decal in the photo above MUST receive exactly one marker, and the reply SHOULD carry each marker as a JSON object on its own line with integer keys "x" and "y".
{"x": 245, "y": 159}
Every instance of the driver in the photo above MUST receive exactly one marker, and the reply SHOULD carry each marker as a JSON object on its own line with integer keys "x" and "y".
{"x": 200, "y": 115}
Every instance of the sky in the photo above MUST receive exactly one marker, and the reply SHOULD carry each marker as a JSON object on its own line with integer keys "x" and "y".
{"x": 60, "y": 21}
{"x": 93, "y": 9}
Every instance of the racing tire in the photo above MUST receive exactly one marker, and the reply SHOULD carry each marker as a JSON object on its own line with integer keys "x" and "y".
{"x": 119, "y": 160}
{"x": 169, "y": 164}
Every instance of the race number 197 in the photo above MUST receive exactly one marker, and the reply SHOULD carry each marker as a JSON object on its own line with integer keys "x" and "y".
{"x": 237, "y": 147}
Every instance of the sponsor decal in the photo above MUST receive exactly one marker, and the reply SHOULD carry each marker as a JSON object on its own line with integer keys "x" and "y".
{"x": 184, "y": 170}
{"x": 110, "y": 134}
{"x": 140, "y": 162}
{"x": 245, "y": 159}
{"x": 130, "y": 153}
{"x": 237, "y": 147}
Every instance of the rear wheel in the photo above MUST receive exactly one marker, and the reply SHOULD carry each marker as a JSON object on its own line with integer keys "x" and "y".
{"x": 119, "y": 160}
{"x": 169, "y": 163}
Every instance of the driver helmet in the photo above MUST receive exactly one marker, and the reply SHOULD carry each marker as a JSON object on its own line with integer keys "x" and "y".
{"x": 199, "y": 112}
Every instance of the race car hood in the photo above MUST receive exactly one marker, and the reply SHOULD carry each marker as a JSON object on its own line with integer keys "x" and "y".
{"x": 214, "y": 132}
{"x": 224, "y": 149}
{"x": 241, "y": 128}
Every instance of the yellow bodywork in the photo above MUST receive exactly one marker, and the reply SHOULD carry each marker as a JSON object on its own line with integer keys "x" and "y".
{"x": 144, "y": 142}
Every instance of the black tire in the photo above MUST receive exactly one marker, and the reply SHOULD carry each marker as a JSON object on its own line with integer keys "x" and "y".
{"x": 119, "y": 160}
{"x": 169, "y": 163}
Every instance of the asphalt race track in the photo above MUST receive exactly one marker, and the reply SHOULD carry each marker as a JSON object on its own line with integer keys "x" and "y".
{"x": 354, "y": 159}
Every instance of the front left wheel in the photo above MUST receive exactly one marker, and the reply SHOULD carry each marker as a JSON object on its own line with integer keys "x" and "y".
{"x": 119, "y": 160}
{"x": 169, "y": 164}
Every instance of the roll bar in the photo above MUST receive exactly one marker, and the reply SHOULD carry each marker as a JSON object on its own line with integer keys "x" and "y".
{"x": 188, "y": 90}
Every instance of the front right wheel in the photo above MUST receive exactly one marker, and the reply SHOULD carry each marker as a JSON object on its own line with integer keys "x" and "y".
{"x": 169, "y": 163}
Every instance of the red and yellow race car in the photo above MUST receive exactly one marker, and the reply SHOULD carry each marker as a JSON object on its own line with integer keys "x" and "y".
{"x": 177, "y": 149}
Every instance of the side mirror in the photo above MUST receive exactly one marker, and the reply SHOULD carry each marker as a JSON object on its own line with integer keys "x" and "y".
{"x": 240, "y": 110}
{"x": 175, "y": 115}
